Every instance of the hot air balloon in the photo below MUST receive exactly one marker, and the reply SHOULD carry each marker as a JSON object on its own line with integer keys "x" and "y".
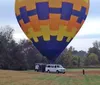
{"x": 51, "y": 24}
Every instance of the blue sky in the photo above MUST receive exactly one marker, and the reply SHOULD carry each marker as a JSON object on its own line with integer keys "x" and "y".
{"x": 89, "y": 32}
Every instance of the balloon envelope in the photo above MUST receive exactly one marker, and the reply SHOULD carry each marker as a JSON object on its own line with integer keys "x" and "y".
{"x": 51, "y": 24}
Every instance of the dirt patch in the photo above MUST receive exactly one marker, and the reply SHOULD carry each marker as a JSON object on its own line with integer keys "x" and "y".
{"x": 79, "y": 74}
{"x": 93, "y": 72}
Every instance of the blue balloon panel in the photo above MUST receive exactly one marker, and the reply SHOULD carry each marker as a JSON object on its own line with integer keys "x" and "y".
{"x": 51, "y": 49}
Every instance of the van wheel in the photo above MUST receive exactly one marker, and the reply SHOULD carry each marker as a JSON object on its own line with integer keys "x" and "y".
{"x": 48, "y": 71}
{"x": 57, "y": 71}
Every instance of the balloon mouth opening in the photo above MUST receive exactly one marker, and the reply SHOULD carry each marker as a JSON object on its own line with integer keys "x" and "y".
{"x": 53, "y": 54}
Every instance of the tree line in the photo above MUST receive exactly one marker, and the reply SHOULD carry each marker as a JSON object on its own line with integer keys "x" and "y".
{"x": 23, "y": 55}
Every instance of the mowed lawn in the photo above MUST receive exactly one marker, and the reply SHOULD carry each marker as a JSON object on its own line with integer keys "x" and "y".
{"x": 71, "y": 77}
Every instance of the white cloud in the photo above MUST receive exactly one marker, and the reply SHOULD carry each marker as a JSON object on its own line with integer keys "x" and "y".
{"x": 82, "y": 44}
{"x": 91, "y": 26}
{"x": 19, "y": 36}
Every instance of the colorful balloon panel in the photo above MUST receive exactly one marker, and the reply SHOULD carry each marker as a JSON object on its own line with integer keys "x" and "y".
{"x": 51, "y": 24}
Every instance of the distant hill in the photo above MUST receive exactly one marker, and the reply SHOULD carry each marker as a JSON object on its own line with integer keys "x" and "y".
{"x": 79, "y": 53}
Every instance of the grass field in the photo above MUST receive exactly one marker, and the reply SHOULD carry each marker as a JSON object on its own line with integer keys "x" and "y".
{"x": 71, "y": 77}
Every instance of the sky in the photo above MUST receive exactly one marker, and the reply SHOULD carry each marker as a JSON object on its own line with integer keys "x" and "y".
{"x": 89, "y": 32}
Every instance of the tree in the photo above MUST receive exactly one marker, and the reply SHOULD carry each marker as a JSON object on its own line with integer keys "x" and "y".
{"x": 17, "y": 56}
{"x": 31, "y": 54}
{"x": 96, "y": 44}
{"x": 66, "y": 58}
{"x": 76, "y": 61}
{"x": 5, "y": 40}
{"x": 95, "y": 51}
{"x": 91, "y": 59}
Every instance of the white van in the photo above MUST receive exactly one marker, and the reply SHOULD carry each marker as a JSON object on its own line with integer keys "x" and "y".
{"x": 54, "y": 68}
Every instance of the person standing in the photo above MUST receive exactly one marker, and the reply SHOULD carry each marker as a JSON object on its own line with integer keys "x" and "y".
{"x": 37, "y": 67}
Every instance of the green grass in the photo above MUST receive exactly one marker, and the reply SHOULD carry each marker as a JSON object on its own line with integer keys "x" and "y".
{"x": 71, "y": 77}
